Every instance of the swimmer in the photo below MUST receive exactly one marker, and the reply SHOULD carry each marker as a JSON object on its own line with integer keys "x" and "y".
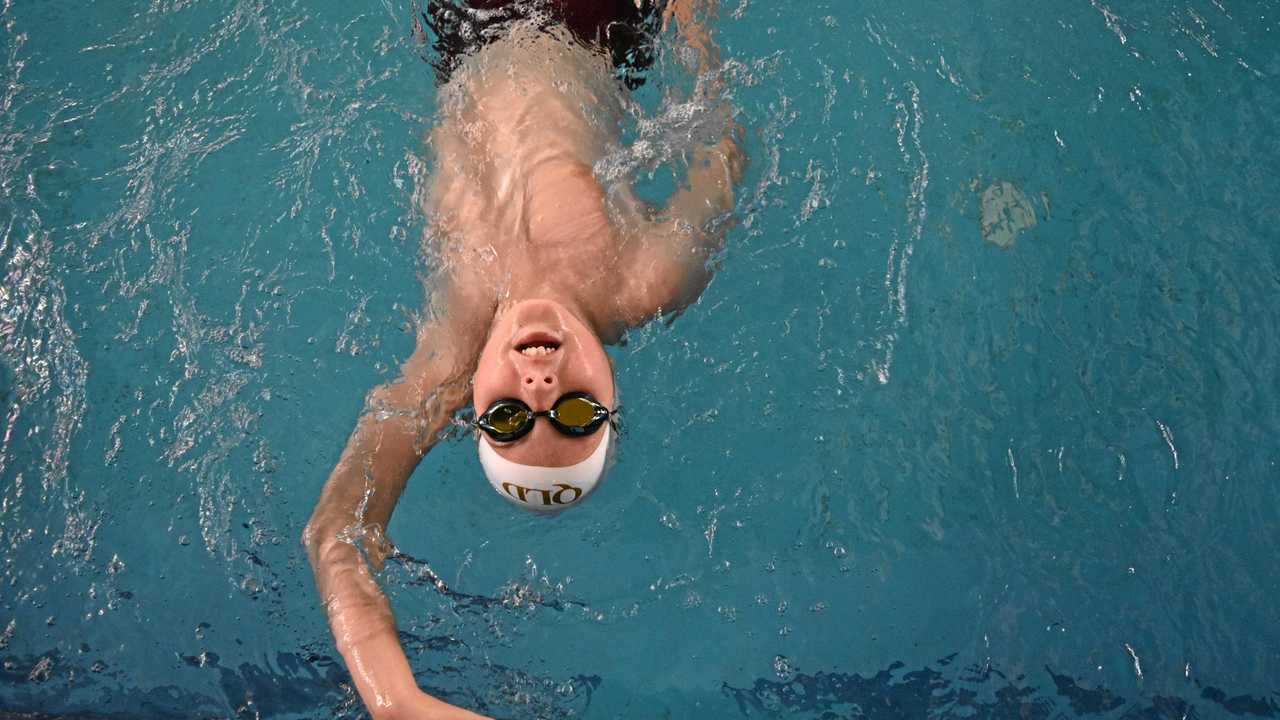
{"x": 540, "y": 266}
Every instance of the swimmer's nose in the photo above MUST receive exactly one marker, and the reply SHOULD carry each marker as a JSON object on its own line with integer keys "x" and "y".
{"x": 540, "y": 388}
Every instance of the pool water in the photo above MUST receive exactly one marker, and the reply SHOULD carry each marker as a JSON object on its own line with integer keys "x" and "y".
{"x": 978, "y": 418}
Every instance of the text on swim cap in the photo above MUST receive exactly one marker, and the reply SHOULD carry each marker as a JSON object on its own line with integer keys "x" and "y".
{"x": 548, "y": 497}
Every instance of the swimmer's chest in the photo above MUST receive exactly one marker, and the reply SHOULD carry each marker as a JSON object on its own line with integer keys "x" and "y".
{"x": 565, "y": 212}
{"x": 561, "y": 227}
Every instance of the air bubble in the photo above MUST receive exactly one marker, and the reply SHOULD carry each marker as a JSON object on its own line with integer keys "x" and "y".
{"x": 251, "y": 586}
{"x": 783, "y": 669}
{"x": 42, "y": 671}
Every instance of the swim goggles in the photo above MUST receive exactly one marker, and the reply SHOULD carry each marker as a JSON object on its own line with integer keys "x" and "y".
{"x": 575, "y": 414}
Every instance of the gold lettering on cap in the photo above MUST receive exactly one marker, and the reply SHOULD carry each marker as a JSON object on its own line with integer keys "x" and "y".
{"x": 577, "y": 493}
{"x": 519, "y": 492}
{"x": 508, "y": 486}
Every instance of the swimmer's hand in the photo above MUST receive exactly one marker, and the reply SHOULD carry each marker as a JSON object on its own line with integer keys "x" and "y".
{"x": 713, "y": 173}
{"x": 417, "y": 705}
{"x": 707, "y": 196}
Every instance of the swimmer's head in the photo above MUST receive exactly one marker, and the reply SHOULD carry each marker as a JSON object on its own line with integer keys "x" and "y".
{"x": 537, "y": 352}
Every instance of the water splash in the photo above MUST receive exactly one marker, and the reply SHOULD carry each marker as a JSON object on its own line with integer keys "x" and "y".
{"x": 42, "y": 363}
{"x": 908, "y": 121}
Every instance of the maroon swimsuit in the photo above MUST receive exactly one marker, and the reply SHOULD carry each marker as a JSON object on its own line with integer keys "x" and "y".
{"x": 617, "y": 27}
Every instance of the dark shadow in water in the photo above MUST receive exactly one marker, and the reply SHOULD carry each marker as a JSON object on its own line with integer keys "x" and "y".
{"x": 287, "y": 684}
{"x": 38, "y": 687}
{"x": 422, "y": 575}
{"x": 312, "y": 683}
{"x": 976, "y": 692}
{"x": 309, "y": 684}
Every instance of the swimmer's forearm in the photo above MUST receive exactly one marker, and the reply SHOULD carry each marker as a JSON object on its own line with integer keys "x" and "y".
{"x": 345, "y": 534}
{"x": 354, "y": 507}
{"x": 385, "y": 682}
{"x": 364, "y": 632}
{"x": 356, "y": 607}
{"x": 364, "y": 629}
{"x": 716, "y": 164}
{"x": 704, "y": 204}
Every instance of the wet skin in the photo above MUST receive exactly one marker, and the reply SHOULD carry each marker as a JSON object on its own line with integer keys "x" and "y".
{"x": 537, "y": 352}
{"x": 540, "y": 265}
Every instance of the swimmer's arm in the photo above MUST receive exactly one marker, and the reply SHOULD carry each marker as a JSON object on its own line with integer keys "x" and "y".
{"x": 678, "y": 243}
{"x": 715, "y": 160}
{"x": 682, "y": 238}
{"x": 692, "y": 18}
{"x": 672, "y": 255}
{"x": 401, "y": 422}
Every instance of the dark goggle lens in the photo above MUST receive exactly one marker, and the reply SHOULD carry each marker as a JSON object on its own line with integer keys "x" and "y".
{"x": 508, "y": 418}
{"x": 575, "y": 412}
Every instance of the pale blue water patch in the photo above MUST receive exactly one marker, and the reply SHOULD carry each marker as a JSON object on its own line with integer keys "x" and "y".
{"x": 978, "y": 417}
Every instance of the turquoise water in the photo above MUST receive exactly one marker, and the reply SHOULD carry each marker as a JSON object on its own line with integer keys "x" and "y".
{"x": 978, "y": 418}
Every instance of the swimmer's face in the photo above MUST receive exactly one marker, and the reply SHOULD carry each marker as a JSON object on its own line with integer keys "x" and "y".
{"x": 538, "y": 351}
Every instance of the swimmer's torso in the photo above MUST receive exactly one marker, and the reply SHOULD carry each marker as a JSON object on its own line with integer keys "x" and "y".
{"x": 513, "y": 192}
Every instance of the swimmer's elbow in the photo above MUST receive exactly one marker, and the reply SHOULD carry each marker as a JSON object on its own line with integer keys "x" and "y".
{"x": 319, "y": 541}
{"x": 310, "y": 541}
{"x": 392, "y": 399}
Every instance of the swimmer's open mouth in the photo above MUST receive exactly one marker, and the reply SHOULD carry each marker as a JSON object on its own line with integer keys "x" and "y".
{"x": 537, "y": 345}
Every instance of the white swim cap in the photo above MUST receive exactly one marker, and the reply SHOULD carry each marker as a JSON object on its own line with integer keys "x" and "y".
{"x": 546, "y": 489}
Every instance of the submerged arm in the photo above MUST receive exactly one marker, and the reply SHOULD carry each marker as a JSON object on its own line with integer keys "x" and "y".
{"x": 346, "y": 531}
{"x": 687, "y": 233}
{"x": 716, "y": 161}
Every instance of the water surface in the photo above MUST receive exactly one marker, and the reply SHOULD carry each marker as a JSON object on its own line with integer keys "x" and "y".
{"x": 978, "y": 417}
